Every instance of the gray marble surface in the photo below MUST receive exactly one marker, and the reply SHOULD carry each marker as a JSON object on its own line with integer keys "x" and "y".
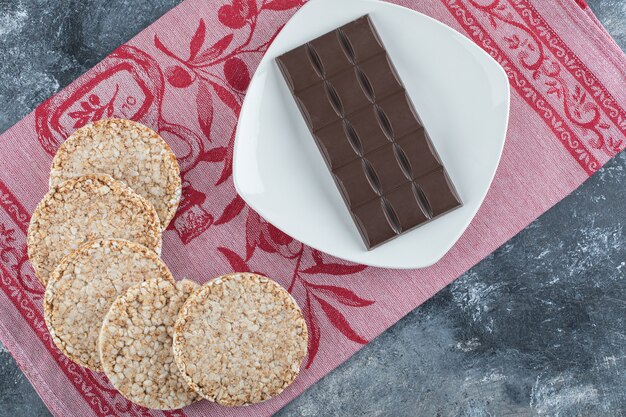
{"x": 537, "y": 328}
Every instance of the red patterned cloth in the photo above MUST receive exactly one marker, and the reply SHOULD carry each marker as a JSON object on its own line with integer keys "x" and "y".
{"x": 185, "y": 76}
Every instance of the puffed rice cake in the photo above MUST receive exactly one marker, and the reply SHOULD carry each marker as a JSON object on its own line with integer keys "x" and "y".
{"x": 129, "y": 152}
{"x": 240, "y": 339}
{"x": 83, "y": 287}
{"x": 136, "y": 345}
{"x": 88, "y": 208}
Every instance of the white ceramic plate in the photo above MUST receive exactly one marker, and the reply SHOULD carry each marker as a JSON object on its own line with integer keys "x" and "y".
{"x": 459, "y": 91}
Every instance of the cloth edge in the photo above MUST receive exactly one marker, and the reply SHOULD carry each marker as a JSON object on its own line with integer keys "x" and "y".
{"x": 41, "y": 387}
{"x": 593, "y": 19}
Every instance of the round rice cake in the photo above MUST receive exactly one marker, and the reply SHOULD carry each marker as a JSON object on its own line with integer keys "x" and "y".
{"x": 83, "y": 287}
{"x": 240, "y": 339}
{"x": 87, "y": 208}
{"x": 136, "y": 345}
{"x": 128, "y": 151}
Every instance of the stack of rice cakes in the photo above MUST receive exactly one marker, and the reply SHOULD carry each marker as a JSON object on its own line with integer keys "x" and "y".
{"x": 94, "y": 241}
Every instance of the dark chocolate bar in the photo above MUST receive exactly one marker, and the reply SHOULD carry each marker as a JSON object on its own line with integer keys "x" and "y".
{"x": 371, "y": 137}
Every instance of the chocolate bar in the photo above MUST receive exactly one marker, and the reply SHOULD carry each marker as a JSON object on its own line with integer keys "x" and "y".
{"x": 373, "y": 141}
